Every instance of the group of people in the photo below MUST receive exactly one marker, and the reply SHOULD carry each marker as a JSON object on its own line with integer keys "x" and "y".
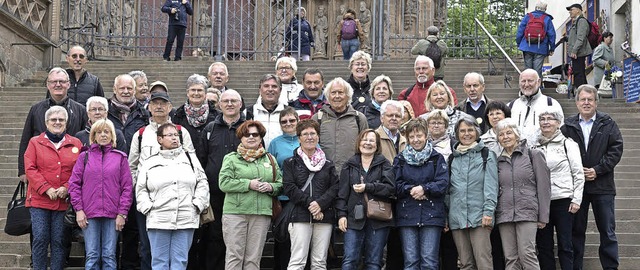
{"x": 458, "y": 177}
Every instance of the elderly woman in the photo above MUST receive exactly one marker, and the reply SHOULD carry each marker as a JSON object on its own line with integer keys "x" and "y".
{"x": 286, "y": 69}
{"x": 48, "y": 160}
{"x": 367, "y": 175}
{"x": 494, "y": 113}
{"x": 171, "y": 191}
{"x": 311, "y": 182}
{"x": 523, "y": 204}
{"x": 437, "y": 123}
{"x": 213, "y": 96}
{"x": 282, "y": 148}
{"x": 101, "y": 194}
{"x": 299, "y": 36}
{"x": 421, "y": 182}
{"x": 343, "y": 122}
{"x": 408, "y": 115}
{"x": 439, "y": 97}
{"x": 472, "y": 196}
{"x": 250, "y": 177}
{"x": 602, "y": 58}
{"x": 142, "y": 92}
{"x": 381, "y": 91}
{"x": 567, "y": 183}
{"x": 197, "y": 111}
{"x": 97, "y": 109}
{"x": 359, "y": 66}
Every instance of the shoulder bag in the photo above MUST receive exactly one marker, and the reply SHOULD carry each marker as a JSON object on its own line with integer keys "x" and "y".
{"x": 376, "y": 209}
{"x": 18, "y": 216}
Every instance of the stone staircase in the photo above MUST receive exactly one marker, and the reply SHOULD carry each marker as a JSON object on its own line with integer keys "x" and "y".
{"x": 244, "y": 76}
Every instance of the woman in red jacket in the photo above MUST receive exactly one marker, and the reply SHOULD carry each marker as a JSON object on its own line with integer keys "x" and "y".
{"x": 48, "y": 162}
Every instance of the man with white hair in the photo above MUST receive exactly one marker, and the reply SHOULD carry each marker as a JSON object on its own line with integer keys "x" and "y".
{"x": 391, "y": 140}
{"x": 417, "y": 93}
{"x": 476, "y": 101}
{"x": 97, "y": 109}
{"x": 536, "y": 37}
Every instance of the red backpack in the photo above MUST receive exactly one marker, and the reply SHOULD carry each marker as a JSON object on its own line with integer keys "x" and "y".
{"x": 594, "y": 36}
{"x": 534, "y": 31}
{"x": 349, "y": 30}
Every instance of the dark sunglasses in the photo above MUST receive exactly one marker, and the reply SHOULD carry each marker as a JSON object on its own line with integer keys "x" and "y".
{"x": 252, "y": 134}
{"x": 77, "y": 56}
{"x": 291, "y": 121}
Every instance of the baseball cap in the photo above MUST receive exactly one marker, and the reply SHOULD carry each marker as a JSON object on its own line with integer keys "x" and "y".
{"x": 159, "y": 83}
{"x": 160, "y": 95}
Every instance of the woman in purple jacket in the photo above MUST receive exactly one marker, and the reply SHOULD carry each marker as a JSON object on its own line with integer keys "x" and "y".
{"x": 101, "y": 193}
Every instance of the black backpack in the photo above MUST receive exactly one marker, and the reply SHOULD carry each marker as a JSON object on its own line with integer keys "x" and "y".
{"x": 434, "y": 52}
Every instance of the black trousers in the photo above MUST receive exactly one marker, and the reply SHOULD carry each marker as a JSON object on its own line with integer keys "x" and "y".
{"x": 175, "y": 31}
{"x": 578, "y": 68}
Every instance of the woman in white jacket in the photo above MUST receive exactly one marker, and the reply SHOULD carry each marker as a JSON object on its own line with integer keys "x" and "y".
{"x": 171, "y": 191}
{"x": 567, "y": 182}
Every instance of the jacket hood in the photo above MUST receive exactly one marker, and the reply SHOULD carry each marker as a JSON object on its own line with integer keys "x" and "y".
{"x": 476, "y": 148}
{"x": 538, "y": 13}
{"x": 432, "y": 38}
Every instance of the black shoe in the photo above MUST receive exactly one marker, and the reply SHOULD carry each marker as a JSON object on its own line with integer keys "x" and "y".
{"x": 167, "y": 59}
{"x": 177, "y": 59}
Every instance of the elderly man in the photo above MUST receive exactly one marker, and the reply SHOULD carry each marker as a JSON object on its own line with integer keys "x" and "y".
{"x": 434, "y": 48}
{"x": 268, "y": 107}
{"x": 218, "y": 76}
{"x": 417, "y": 93}
{"x": 530, "y": 104}
{"x": 286, "y": 69}
{"x": 391, "y": 140}
{"x": 82, "y": 84}
{"x": 57, "y": 85}
{"x": 218, "y": 139}
{"x": 311, "y": 99}
{"x": 536, "y": 37}
{"x": 601, "y": 145}
{"x": 340, "y": 123}
{"x": 578, "y": 47}
{"x": 142, "y": 88}
{"x": 97, "y": 108}
{"x": 476, "y": 101}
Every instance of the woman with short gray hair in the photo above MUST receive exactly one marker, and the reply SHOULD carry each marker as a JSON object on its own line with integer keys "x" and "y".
{"x": 360, "y": 66}
{"x": 380, "y": 91}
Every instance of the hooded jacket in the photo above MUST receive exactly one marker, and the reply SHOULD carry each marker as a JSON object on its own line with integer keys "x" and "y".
{"x": 183, "y": 10}
{"x": 604, "y": 151}
{"x": 47, "y": 167}
{"x": 379, "y": 185}
{"x": 545, "y": 46}
{"x": 473, "y": 188}
{"x": 323, "y": 189}
{"x": 525, "y": 186}
{"x": 102, "y": 187}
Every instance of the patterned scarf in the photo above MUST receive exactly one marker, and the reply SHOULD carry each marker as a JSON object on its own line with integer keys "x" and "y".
{"x": 315, "y": 162}
{"x": 417, "y": 158}
{"x": 123, "y": 109}
{"x": 196, "y": 116}
{"x": 251, "y": 155}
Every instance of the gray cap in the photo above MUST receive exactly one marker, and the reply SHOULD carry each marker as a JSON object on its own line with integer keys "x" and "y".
{"x": 432, "y": 30}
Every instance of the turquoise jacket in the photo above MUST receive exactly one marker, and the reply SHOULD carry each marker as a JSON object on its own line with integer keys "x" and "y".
{"x": 235, "y": 175}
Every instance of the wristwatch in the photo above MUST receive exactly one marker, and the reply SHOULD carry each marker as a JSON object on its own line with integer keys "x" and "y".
{"x": 123, "y": 216}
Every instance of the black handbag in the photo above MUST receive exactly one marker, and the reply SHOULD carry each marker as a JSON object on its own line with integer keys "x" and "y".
{"x": 70, "y": 215}
{"x": 18, "y": 216}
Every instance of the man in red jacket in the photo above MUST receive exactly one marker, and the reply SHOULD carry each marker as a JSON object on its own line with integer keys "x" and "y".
{"x": 417, "y": 93}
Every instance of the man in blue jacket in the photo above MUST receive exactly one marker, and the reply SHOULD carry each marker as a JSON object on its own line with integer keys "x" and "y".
{"x": 536, "y": 37}
{"x": 177, "y": 11}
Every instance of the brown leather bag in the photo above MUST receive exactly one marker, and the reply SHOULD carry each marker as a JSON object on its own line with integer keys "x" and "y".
{"x": 276, "y": 206}
{"x": 376, "y": 209}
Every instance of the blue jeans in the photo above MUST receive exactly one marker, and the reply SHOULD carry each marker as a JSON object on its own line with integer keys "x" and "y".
{"x": 47, "y": 227}
{"x": 349, "y": 47}
{"x": 170, "y": 248}
{"x": 562, "y": 220}
{"x": 100, "y": 240}
{"x": 420, "y": 246}
{"x": 534, "y": 61}
{"x": 604, "y": 215}
{"x": 369, "y": 239}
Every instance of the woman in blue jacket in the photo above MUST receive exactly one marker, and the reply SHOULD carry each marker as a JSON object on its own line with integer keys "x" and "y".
{"x": 305, "y": 34}
{"x": 421, "y": 181}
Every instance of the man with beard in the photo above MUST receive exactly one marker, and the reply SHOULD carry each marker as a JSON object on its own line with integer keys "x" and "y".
{"x": 417, "y": 93}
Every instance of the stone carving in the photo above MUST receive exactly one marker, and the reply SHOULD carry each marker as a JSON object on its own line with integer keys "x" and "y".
{"x": 73, "y": 13}
{"x": 321, "y": 25}
{"x": 115, "y": 18}
{"x": 129, "y": 22}
{"x": 440, "y": 12}
{"x": 277, "y": 32}
{"x": 204, "y": 27}
{"x": 410, "y": 14}
{"x": 365, "y": 21}
{"x": 89, "y": 11}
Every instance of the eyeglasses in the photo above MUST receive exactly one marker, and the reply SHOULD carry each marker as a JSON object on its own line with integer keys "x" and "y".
{"x": 290, "y": 121}
{"x": 548, "y": 119}
{"x": 586, "y": 100}
{"x": 284, "y": 68}
{"x": 56, "y": 82}
{"x": 230, "y": 101}
{"x": 360, "y": 64}
{"x": 252, "y": 134}
{"x": 77, "y": 56}
{"x": 96, "y": 110}
{"x": 309, "y": 134}
{"x": 171, "y": 135}
{"x": 434, "y": 123}
{"x": 195, "y": 90}
{"x": 57, "y": 120}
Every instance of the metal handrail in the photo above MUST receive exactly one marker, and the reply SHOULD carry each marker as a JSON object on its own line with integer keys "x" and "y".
{"x": 497, "y": 45}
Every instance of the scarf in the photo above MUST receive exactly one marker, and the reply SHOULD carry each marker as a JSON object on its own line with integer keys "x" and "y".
{"x": 315, "y": 162}
{"x": 464, "y": 148}
{"x": 55, "y": 138}
{"x": 123, "y": 109}
{"x": 544, "y": 140}
{"x": 251, "y": 155}
{"x": 196, "y": 116}
{"x": 417, "y": 158}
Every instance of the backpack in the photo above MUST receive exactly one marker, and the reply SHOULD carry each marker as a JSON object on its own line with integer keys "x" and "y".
{"x": 594, "y": 35}
{"x": 141, "y": 130}
{"x": 433, "y": 51}
{"x": 534, "y": 31}
{"x": 349, "y": 30}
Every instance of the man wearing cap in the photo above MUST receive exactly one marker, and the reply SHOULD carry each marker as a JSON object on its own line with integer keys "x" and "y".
{"x": 422, "y": 48}
{"x": 128, "y": 115}
{"x": 160, "y": 86}
{"x": 146, "y": 146}
{"x": 578, "y": 46}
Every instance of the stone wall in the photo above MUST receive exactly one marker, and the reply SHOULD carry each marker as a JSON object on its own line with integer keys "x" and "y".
{"x": 19, "y": 61}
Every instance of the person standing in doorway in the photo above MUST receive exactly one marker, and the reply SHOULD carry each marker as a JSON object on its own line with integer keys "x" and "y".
{"x": 177, "y": 11}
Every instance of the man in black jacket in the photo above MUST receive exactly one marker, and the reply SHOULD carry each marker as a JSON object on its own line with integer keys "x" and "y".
{"x": 83, "y": 84}
{"x": 58, "y": 85}
{"x": 601, "y": 147}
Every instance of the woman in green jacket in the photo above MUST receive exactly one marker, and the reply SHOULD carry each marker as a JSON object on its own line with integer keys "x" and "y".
{"x": 250, "y": 178}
